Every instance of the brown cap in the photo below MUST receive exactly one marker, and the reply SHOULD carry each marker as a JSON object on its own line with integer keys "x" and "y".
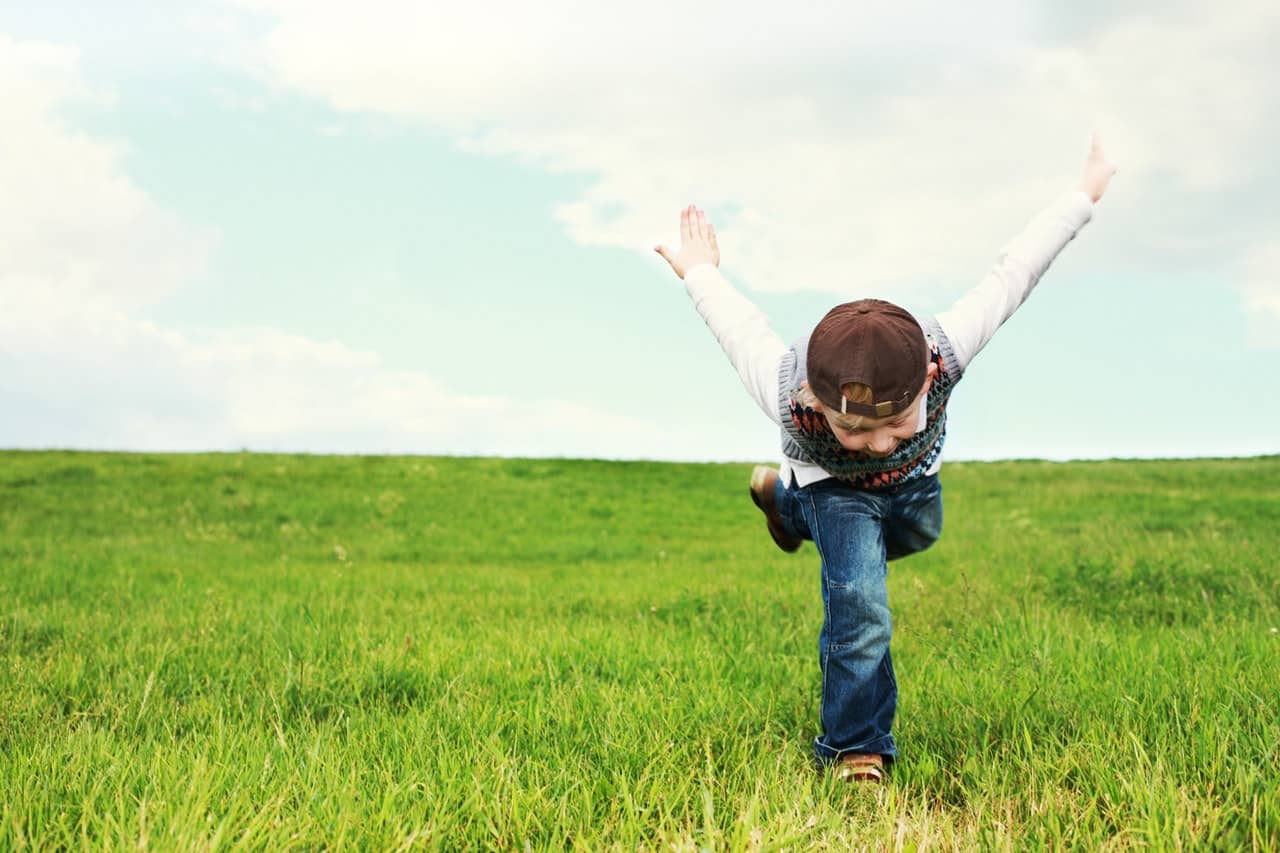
{"x": 872, "y": 342}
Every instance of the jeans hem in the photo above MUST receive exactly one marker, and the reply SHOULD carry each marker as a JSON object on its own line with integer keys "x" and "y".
{"x": 880, "y": 746}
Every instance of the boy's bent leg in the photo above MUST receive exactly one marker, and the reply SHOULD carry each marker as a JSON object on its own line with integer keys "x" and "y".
{"x": 914, "y": 520}
{"x": 789, "y": 505}
{"x": 859, "y": 693}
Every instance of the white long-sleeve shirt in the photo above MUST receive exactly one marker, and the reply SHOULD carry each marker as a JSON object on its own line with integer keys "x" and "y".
{"x": 755, "y": 350}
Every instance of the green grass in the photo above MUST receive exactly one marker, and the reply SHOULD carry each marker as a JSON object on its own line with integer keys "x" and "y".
{"x": 272, "y": 652}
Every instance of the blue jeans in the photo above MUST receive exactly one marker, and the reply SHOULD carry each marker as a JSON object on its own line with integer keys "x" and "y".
{"x": 857, "y": 533}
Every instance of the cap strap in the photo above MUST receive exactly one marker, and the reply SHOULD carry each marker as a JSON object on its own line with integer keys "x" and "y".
{"x": 882, "y": 409}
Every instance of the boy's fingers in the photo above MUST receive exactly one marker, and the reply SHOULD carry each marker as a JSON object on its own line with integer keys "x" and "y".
{"x": 711, "y": 235}
{"x": 670, "y": 259}
{"x": 1095, "y": 148}
{"x": 686, "y": 232}
{"x": 702, "y": 224}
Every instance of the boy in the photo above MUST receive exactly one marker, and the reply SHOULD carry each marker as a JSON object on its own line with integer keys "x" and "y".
{"x": 862, "y": 406}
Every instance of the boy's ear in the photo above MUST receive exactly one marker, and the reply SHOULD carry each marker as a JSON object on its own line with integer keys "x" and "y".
{"x": 930, "y": 375}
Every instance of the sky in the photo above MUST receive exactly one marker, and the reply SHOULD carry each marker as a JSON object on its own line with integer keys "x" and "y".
{"x": 426, "y": 228}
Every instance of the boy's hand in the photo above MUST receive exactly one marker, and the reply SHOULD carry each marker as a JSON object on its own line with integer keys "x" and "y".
{"x": 1097, "y": 171}
{"x": 697, "y": 243}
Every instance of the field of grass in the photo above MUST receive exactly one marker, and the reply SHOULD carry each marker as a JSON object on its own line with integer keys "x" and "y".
{"x": 273, "y": 652}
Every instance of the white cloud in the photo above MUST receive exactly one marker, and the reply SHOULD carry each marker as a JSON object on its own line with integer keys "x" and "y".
{"x": 1261, "y": 287}
{"x": 128, "y": 384}
{"x": 840, "y": 150}
{"x": 84, "y": 251}
{"x": 463, "y": 63}
{"x": 71, "y": 226}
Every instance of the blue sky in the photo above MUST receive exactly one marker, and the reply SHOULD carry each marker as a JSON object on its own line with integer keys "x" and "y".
{"x": 411, "y": 228}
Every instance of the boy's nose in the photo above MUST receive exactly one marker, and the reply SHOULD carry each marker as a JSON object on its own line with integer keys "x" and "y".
{"x": 882, "y": 443}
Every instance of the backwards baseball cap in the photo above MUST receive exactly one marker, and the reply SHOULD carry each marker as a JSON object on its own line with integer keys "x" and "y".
{"x": 874, "y": 343}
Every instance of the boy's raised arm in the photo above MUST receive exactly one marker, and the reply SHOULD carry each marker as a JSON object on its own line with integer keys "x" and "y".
{"x": 972, "y": 321}
{"x": 742, "y": 329}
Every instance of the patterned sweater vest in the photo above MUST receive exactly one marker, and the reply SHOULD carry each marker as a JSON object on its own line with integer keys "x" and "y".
{"x": 807, "y": 436}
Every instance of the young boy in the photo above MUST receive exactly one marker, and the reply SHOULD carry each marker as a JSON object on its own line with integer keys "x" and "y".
{"x": 862, "y": 403}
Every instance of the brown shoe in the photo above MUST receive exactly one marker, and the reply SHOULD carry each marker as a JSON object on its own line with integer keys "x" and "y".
{"x": 763, "y": 480}
{"x": 856, "y": 767}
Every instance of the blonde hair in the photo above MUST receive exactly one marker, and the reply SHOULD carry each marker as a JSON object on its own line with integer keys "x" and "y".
{"x": 854, "y": 392}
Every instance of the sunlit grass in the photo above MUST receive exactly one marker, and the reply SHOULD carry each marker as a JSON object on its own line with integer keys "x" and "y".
{"x": 276, "y": 651}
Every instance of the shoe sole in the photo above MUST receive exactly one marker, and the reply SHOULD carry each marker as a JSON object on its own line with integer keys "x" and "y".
{"x": 860, "y": 768}
{"x": 759, "y": 475}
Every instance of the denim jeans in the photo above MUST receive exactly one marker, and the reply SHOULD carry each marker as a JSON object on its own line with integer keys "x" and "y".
{"x": 856, "y": 533}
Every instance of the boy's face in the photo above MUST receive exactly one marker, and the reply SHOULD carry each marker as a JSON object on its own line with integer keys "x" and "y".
{"x": 879, "y": 436}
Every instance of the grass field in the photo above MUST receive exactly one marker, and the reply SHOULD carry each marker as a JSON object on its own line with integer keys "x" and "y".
{"x": 272, "y": 652}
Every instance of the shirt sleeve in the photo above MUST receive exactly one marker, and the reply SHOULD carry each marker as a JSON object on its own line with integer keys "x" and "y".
{"x": 972, "y": 321}
{"x": 743, "y": 332}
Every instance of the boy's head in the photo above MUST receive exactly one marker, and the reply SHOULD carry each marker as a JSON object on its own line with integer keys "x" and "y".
{"x": 868, "y": 367}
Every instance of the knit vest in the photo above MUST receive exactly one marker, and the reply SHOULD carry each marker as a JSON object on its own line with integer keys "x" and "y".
{"x": 807, "y": 436}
